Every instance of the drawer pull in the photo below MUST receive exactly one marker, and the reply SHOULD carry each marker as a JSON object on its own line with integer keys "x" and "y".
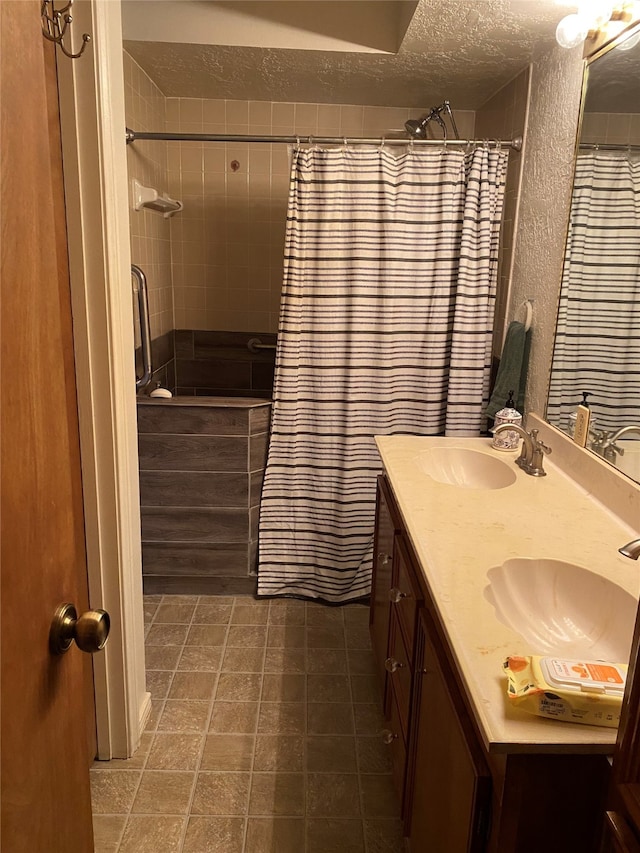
{"x": 384, "y": 559}
{"x": 396, "y": 595}
{"x": 388, "y": 736}
{"x": 391, "y": 664}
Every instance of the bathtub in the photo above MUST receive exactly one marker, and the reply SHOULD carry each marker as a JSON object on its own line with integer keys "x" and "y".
{"x": 202, "y": 462}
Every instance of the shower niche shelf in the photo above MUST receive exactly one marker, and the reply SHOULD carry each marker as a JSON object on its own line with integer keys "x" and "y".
{"x": 151, "y": 199}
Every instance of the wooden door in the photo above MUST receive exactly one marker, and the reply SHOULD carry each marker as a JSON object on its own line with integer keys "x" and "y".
{"x": 451, "y": 785}
{"x": 47, "y": 730}
{"x": 383, "y": 542}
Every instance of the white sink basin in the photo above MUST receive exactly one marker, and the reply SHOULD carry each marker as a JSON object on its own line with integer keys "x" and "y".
{"x": 468, "y": 469}
{"x": 560, "y": 608}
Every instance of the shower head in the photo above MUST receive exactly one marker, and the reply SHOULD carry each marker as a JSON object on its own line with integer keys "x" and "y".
{"x": 416, "y": 128}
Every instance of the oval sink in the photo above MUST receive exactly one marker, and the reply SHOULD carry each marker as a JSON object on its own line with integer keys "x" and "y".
{"x": 560, "y": 608}
{"x": 468, "y": 469}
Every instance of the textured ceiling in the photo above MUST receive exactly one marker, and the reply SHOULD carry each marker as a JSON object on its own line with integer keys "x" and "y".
{"x": 463, "y": 50}
{"x": 614, "y": 83}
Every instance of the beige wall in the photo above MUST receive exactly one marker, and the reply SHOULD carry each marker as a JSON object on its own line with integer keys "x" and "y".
{"x": 504, "y": 117}
{"x": 228, "y": 243}
{"x": 147, "y": 161}
{"x": 556, "y": 81}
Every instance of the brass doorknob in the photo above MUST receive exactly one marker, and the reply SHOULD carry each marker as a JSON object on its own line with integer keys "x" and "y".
{"x": 90, "y": 630}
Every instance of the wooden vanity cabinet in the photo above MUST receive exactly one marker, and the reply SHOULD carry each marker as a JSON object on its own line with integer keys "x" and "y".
{"x": 456, "y": 796}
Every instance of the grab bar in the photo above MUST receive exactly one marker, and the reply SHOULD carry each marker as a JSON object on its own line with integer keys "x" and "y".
{"x": 255, "y": 344}
{"x": 145, "y": 329}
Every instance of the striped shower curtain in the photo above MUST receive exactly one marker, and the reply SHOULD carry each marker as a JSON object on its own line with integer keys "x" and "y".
{"x": 598, "y": 333}
{"x": 385, "y": 328}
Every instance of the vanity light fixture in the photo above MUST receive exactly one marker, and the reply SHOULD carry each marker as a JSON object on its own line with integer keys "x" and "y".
{"x": 592, "y": 17}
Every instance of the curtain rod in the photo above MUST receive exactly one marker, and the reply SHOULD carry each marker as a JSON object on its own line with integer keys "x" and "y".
{"x": 133, "y": 135}
{"x": 609, "y": 146}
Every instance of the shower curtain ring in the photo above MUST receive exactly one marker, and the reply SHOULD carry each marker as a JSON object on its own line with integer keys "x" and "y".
{"x": 298, "y": 141}
{"x": 382, "y": 141}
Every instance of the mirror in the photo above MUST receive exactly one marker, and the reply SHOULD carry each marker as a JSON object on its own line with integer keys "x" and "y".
{"x": 597, "y": 344}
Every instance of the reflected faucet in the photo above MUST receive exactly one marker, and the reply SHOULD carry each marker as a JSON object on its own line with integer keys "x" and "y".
{"x": 533, "y": 450}
{"x": 604, "y": 444}
{"x": 631, "y": 549}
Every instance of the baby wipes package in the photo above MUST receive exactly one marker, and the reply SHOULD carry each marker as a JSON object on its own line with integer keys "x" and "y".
{"x": 579, "y": 691}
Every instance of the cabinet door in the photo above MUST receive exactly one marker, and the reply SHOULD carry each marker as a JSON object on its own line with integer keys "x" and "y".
{"x": 620, "y": 838}
{"x": 386, "y": 527}
{"x": 450, "y": 794}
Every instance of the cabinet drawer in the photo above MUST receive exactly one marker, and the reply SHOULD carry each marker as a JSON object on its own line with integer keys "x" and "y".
{"x": 399, "y": 668}
{"x": 394, "y": 738}
{"x": 405, "y": 594}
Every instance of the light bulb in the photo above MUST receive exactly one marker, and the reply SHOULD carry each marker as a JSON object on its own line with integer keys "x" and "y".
{"x": 572, "y": 30}
{"x": 596, "y": 12}
{"x": 630, "y": 42}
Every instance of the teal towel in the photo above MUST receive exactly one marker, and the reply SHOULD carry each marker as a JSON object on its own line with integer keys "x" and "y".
{"x": 512, "y": 371}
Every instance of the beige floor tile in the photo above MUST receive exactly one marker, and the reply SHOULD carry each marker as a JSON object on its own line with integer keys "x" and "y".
{"x": 279, "y": 752}
{"x": 243, "y": 660}
{"x": 150, "y": 608}
{"x": 333, "y": 795}
{"x": 214, "y": 835}
{"x": 228, "y": 752}
{"x": 374, "y": 756}
{"x": 221, "y": 793}
{"x": 154, "y": 717}
{"x": 277, "y": 794}
{"x": 326, "y": 661}
{"x": 162, "y": 657}
{"x": 282, "y": 718}
{"x": 284, "y": 612}
{"x": 369, "y": 719}
{"x": 163, "y": 792}
{"x": 173, "y": 598}
{"x": 174, "y": 613}
{"x": 207, "y": 635}
{"x": 357, "y": 615}
{"x": 248, "y": 615}
{"x": 193, "y": 685}
{"x": 137, "y": 760}
{"x": 284, "y": 687}
{"x": 365, "y": 688}
{"x": 152, "y": 834}
{"x": 379, "y": 797}
{"x": 113, "y": 791}
{"x": 320, "y": 615}
{"x": 384, "y": 836}
{"x": 361, "y": 662}
{"x": 239, "y": 686}
{"x": 328, "y": 688}
{"x": 217, "y": 600}
{"x": 358, "y": 637}
{"x": 244, "y": 636}
{"x": 286, "y": 636}
{"x": 107, "y": 830}
{"x": 167, "y": 635}
{"x": 335, "y": 836}
{"x": 330, "y": 718}
{"x": 184, "y": 715}
{"x": 158, "y": 683}
{"x": 331, "y": 754}
{"x": 327, "y": 637}
{"x": 275, "y": 835}
{"x": 106, "y": 848}
{"x": 200, "y": 658}
{"x": 174, "y": 752}
{"x": 285, "y": 660}
{"x": 212, "y": 614}
{"x": 234, "y": 717}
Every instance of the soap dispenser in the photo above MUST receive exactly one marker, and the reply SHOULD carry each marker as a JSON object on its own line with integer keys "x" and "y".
{"x": 581, "y": 421}
{"x": 507, "y": 439}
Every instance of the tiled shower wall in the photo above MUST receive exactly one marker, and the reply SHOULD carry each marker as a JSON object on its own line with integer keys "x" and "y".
{"x": 228, "y": 244}
{"x": 147, "y": 161}
{"x": 612, "y": 128}
{"x": 503, "y": 117}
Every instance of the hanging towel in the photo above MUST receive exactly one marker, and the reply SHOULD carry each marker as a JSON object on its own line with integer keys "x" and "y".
{"x": 512, "y": 372}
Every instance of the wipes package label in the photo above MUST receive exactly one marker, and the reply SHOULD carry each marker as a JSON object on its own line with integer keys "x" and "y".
{"x": 577, "y": 691}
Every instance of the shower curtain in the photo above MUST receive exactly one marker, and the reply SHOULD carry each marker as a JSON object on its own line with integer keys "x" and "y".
{"x": 385, "y": 328}
{"x": 598, "y": 332}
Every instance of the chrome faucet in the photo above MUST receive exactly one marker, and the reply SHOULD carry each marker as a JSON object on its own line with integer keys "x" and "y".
{"x": 533, "y": 450}
{"x": 631, "y": 549}
{"x": 604, "y": 444}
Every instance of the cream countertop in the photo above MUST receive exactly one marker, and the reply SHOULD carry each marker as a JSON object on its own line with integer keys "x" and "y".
{"x": 459, "y": 534}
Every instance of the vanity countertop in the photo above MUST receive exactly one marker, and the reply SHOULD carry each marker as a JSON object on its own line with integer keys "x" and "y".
{"x": 459, "y": 534}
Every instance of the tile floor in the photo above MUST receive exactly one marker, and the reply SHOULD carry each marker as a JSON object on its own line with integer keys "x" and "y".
{"x": 264, "y": 735}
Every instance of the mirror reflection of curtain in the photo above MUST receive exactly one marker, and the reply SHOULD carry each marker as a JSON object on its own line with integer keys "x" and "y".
{"x": 598, "y": 335}
{"x": 385, "y": 328}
